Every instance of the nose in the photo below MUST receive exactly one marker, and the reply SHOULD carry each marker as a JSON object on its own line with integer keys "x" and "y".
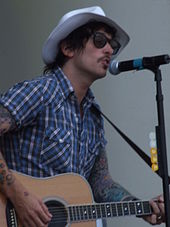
{"x": 108, "y": 49}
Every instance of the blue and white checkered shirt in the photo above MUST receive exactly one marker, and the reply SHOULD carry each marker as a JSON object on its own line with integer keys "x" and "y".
{"x": 51, "y": 137}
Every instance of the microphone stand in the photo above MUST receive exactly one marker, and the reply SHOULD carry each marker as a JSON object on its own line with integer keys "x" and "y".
{"x": 161, "y": 143}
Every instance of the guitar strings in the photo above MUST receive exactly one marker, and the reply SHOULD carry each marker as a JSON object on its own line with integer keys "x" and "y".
{"x": 87, "y": 207}
{"x": 60, "y": 217}
{"x": 58, "y": 211}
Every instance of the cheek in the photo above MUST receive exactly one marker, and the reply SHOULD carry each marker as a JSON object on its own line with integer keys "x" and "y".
{"x": 88, "y": 60}
{"x": 90, "y": 57}
{"x": 90, "y": 53}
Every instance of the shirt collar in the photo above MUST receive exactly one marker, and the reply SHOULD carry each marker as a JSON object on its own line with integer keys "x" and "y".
{"x": 65, "y": 84}
{"x": 67, "y": 89}
{"x": 89, "y": 98}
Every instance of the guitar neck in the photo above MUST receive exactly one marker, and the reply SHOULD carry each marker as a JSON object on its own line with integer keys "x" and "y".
{"x": 108, "y": 210}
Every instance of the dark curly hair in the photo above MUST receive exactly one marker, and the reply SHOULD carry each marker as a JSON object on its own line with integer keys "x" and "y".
{"x": 76, "y": 40}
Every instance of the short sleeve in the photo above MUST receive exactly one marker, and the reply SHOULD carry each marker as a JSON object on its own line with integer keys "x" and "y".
{"x": 24, "y": 101}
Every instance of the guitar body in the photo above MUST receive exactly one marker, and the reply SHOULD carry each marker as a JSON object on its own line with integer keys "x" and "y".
{"x": 67, "y": 189}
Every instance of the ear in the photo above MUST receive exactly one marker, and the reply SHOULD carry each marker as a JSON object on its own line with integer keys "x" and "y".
{"x": 67, "y": 51}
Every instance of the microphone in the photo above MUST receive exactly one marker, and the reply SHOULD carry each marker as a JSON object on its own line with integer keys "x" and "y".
{"x": 138, "y": 64}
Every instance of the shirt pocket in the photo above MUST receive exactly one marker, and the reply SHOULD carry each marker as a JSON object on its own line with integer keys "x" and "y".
{"x": 56, "y": 150}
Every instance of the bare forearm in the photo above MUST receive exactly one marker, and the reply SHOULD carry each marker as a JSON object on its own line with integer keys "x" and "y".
{"x": 104, "y": 188}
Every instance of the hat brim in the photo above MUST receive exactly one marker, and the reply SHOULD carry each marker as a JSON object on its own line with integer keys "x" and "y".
{"x": 50, "y": 48}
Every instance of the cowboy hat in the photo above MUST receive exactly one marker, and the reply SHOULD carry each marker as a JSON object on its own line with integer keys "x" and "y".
{"x": 71, "y": 21}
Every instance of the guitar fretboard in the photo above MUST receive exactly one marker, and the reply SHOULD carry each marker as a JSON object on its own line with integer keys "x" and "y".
{"x": 106, "y": 210}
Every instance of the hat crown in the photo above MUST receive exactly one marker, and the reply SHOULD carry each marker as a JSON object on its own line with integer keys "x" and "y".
{"x": 94, "y": 10}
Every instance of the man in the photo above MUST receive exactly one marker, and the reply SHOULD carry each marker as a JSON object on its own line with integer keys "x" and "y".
{"x": 48, "y": 125}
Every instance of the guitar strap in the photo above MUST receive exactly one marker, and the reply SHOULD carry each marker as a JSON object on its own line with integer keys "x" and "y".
{"x": 137, "y": 149}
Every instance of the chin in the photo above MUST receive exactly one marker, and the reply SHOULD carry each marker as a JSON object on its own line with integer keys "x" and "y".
{"x": 101, "y": 75}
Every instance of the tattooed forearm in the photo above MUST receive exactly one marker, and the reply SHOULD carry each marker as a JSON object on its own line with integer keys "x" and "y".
{"x": 104, "y": 188}
{"x": 9, "y": 178}
{"x": 6, "y": 123}
{"x": 6, "y": 177}
{"x": 6, "y": 120}
{"x": 2, "y": 176}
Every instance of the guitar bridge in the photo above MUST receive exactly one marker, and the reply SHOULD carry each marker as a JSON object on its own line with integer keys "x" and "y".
{"x": 11, "y": 215}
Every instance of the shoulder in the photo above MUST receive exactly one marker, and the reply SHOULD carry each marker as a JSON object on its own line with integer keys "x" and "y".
{"x": 42, "y": 87}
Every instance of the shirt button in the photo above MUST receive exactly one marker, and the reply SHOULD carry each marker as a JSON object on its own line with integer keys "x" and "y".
{"x": 61, "y": 140}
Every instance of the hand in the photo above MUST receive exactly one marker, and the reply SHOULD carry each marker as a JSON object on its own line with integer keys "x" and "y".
{"x": 31, "y": 211}
{"x": 158, "y": 215}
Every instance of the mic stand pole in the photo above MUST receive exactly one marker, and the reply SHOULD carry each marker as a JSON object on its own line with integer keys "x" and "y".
{"x": 161, "y": 143}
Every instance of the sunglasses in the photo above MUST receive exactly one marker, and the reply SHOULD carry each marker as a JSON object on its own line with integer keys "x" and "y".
{"x": 100, "y": 40}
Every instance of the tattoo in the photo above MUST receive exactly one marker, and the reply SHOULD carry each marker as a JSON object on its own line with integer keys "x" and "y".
{"x": 2, "y": 165}
{"x": 6, "y": 176}
{"x": 26, "y": 194}
{"x": 9, "y": 178}
{"x": 6, "y": 123}
{"x": 103, "y": 186}
{"x": 6, "y": 120}
{"x": 2, "y": 177}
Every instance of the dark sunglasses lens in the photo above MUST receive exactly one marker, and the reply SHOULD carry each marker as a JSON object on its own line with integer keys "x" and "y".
{"x": 99, "y": 40}
{"x": 115, "y": 46}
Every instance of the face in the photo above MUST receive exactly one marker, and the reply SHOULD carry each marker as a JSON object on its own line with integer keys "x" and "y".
{"x": 93, "y": 60}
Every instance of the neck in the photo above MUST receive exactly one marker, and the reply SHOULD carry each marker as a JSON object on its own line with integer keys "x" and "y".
{"x": 78, "y": 81}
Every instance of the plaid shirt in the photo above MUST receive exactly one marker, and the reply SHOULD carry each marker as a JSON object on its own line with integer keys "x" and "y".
{"x": 50, "y": 136}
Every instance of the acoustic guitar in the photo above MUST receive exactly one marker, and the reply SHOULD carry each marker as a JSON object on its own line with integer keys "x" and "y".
{"x": 69, "y": 199}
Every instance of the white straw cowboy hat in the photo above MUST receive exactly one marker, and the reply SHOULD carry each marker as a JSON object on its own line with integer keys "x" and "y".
{"x": 71, "y": 21}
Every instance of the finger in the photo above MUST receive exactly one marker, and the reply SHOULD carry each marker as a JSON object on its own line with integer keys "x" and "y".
{"x": 162, "y": 208}
{"x": 161, "y": 198}
{"x": 45, "y": 209}
{"x": 29, "y": 223}
{"x": 160, "y": 203}
{"x": 155, "y": 207}
{"x": 152, "y": 219}
{"x": 158, "y": 209}
{"x": 35, "y": 218}
{"x": 39, "y": 222}
{"x": 44, "y": 214}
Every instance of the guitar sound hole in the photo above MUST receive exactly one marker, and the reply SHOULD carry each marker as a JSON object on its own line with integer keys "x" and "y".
{"x": 59, "y": 213}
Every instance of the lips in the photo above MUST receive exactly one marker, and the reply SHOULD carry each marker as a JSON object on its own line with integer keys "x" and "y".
{"x": 105, "y": 61}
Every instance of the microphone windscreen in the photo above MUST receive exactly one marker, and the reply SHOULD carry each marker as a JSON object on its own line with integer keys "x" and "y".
{"x": 113, "y": 67}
